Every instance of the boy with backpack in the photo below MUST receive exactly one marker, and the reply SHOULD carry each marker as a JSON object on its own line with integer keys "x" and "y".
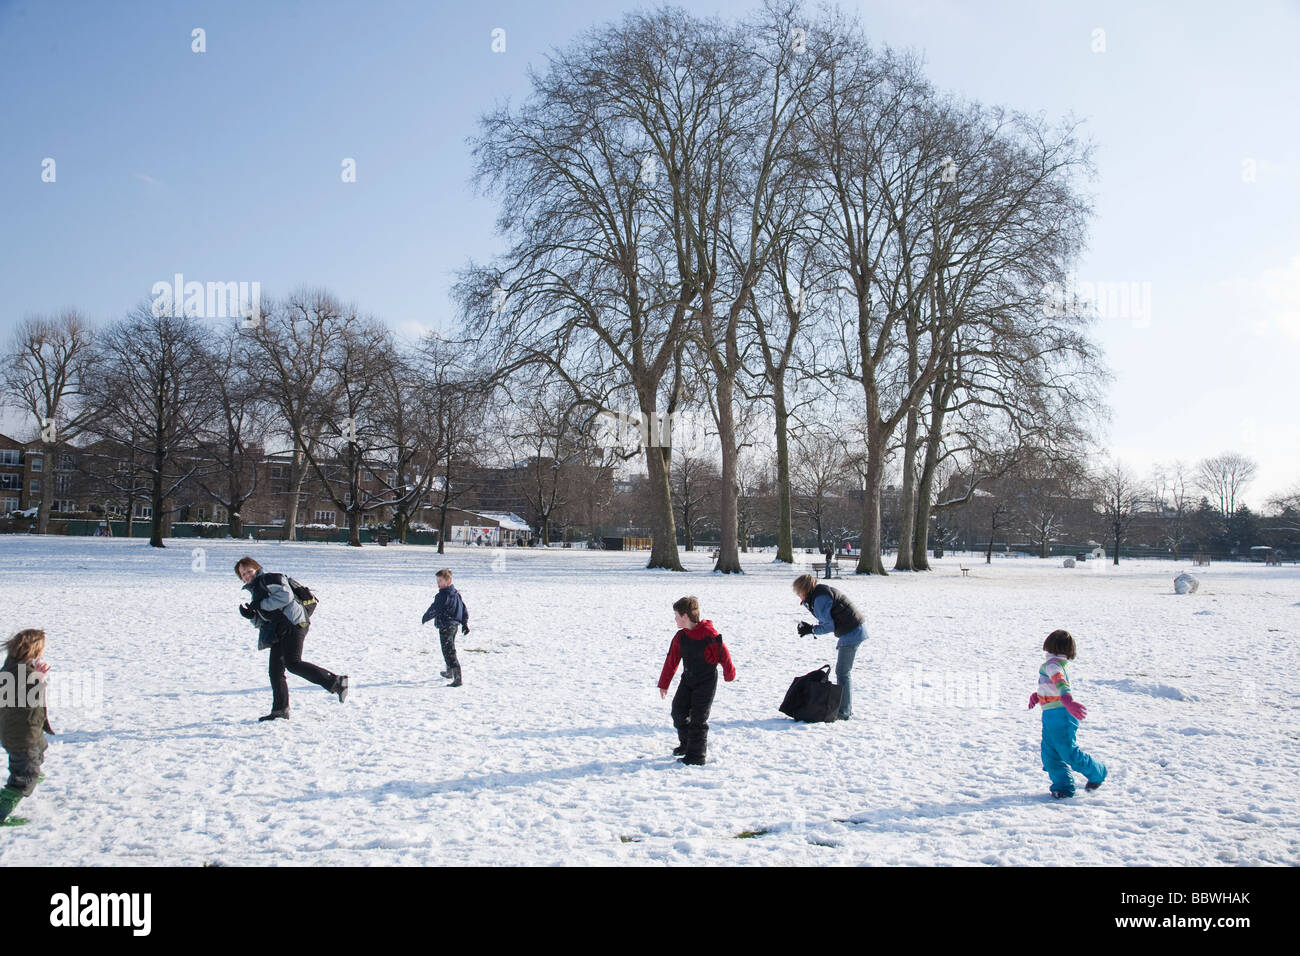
{"x": 280, "y": 612}
{"x": 448, "y": 612}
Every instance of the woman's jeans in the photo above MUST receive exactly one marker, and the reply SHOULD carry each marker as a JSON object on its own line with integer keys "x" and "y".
{"x": 843, "y": 665}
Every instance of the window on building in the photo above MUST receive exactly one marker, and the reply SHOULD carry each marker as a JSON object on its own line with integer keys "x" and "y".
{"x": 324, "y": 517}
{"x": 11, "y": 481}
{"x": 143, "y": 510}
{"x": 10, "y": 456}
{"x": 8, "y": 504}
{"x": 65, "y": 505}
{"x": 63, "y": 483}
{"x": 220, "y": 514}
{"x": 66, "y": 463}
{"x": 279, "y": 471}
{"x": 37, "y": 463}
{"x": 35, "y": 487}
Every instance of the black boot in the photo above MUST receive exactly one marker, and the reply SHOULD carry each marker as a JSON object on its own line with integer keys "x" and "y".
{"x": 275, "y": 715}
{"x": 455, "y": 677}
{"x": 679, "y": 750}
{"x": 340, "y": 687}
{"x": 446, "y": 675}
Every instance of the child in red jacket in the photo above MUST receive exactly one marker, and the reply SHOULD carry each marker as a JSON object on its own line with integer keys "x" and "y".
{"x": 698, "y": 646}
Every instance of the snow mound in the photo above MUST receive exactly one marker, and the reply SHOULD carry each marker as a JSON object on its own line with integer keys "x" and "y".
{"x": 1150, "y": 688}
{"x": 1185, "y": 584}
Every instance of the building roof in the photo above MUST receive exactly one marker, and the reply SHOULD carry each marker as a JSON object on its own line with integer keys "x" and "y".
{"x": 506, "y": 519}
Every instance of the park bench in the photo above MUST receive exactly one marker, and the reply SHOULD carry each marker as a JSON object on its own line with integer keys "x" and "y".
{"x": 965, "y": 571}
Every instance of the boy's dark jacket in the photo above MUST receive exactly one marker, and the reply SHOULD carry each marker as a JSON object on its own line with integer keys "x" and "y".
{"x": 23, "y": 727}
{"x": 447, "y": 609}
{"x": 715, "y": 653}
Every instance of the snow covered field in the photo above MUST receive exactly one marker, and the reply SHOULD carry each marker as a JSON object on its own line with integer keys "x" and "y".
{"x": 556, "y": 750}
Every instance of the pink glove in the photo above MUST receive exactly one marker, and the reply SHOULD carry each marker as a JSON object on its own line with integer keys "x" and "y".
{"x": 1033, "y": 700}
{"x": 1077, "y": 711}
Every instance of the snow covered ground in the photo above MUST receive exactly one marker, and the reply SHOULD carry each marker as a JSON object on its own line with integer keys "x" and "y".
{"x": 556, "y": 750}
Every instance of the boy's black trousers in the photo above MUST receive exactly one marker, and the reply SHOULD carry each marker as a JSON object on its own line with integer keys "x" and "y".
{"x": 691, "y": 705}
{"x": 447, "y": 635}
{"x": 286, "y": 654}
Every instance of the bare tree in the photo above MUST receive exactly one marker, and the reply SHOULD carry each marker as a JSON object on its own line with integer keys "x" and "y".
{"x": 1119, "y": 496}
{"x": 818, "y": 474}
{"x": 1224, "y": 477}
{"x": 291, "y": 348}
{"x": 590, "y": 287}
{"x": 455, "y": 397}
{"x": 350, "y": 456}
{"x": 44, "y": 374}
{"x": 232, "y": 439}
{"x": 152, "y": 398}
{"x": 695, "y": 480}
{"x": 1172, "y": 496}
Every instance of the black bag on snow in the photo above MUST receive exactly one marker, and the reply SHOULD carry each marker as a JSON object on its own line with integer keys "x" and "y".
{"x": 813, "y": 698}
{"x": 304, "y": 596}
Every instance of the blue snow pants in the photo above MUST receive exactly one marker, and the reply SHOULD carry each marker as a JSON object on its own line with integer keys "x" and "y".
{"x": 1061, "y": 753}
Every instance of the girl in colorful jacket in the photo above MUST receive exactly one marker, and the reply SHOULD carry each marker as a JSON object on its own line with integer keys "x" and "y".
{"x": 1061, "y": 716}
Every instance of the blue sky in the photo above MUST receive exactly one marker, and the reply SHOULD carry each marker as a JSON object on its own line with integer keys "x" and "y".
{"x": 225, "y": 165}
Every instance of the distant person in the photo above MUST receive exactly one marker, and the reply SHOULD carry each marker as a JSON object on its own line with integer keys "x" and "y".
{"x": 23, "y": 719}
{"x": 698, "y": 647}
{"x": 448, "y": 612}
{"x": 1061, "y": 716}
{"x": 828, "y": 549}
{"x": 835, "y": 614}
{"x": 282, "y": 626}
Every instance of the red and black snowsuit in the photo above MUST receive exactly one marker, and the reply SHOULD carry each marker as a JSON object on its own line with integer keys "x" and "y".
{"x": 700, "y": 650}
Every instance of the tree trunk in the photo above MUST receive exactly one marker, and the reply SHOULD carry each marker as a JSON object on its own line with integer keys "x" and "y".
{"x": 49, "y": 469}
{"x": 235, "y": 522}
{"x": 663, "y": 528}
{"x": 155, "y": 531}
{"x": 784, "y": 519}
{"x": 925, "y": 489}
{"x": 907, "y": 500}
{"x": 297, "y": 474}
{"x": 354, "y": 528}
{"x": 869, "y": 561}
{"x": 728, "y": 544}
{"x": 1116, "y": 561}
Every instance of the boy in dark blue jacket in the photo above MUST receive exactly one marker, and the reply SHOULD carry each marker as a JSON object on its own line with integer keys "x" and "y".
{"x": 448, "y": 612}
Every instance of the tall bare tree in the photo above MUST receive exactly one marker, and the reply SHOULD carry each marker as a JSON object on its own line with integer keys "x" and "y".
{"x": 1224, "y": 477}
{"x": 44, "y": 374}
{"x": 292, "y": 345}
{"x": 590, "y": 286}
{"x": 152, "y": 398}
{"x": 1119, "y": 499}
{"x": 233, "y": 437}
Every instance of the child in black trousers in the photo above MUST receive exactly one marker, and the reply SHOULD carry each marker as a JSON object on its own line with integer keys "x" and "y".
{"x": 698, "y": 646}
{"x": 448, "y": 612}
